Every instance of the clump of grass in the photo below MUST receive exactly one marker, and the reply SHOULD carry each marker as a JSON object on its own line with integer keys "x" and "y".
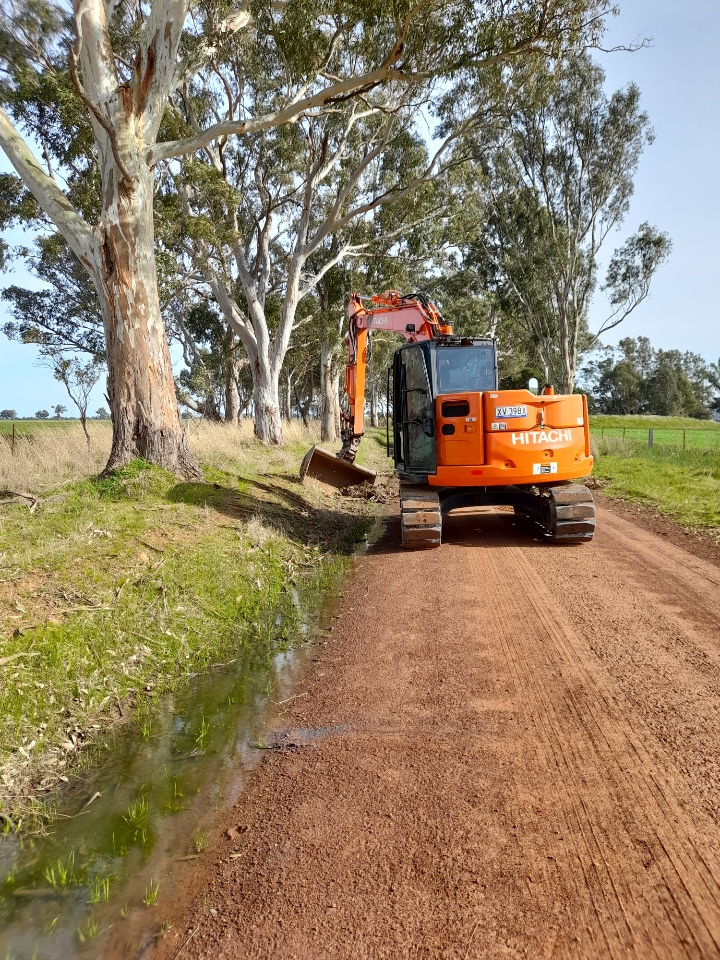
{"x": 151, "y": 893}
{"x": 90, "y": 931}
{"x": 99, "y": 890}
{"x": 201, "y": 840}
{"x": 61, "y": 874}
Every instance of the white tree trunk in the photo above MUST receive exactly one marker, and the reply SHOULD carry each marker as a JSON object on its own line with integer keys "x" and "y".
{"x": 328, "y": 430}
{"x": 373, "y": 404}
{"x": 266, "y": 400}
{"x": 141, "y": 388}
{"x": 232, "y": 395}
{"x": 288, "y": 396}
{"x": 336, "y": 400}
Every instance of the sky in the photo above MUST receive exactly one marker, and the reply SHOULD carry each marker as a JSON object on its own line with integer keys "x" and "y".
{"x": 676, "y": 189}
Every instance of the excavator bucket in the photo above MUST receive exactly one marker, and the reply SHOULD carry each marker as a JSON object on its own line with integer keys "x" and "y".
{"x": 330, "y": 469}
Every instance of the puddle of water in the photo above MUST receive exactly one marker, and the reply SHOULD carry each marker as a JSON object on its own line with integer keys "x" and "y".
{"x": 136, "y": 826}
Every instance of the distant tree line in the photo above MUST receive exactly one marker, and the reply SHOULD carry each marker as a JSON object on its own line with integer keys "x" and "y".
{"x": 635, "y": 378}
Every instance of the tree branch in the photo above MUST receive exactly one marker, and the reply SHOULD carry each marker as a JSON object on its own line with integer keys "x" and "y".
{"x": 103, "y": 121}
{"x": 47, "y": 193}
{"x": 289, "y": 114}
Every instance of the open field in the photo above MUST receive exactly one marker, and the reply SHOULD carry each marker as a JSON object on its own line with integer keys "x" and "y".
{"x": 113, "y": 591}
{"x": 683, "y": 485}
{"x": 598, "y": 421}
{"x": 683, "y": 433}
{"x": 26, "y": 427}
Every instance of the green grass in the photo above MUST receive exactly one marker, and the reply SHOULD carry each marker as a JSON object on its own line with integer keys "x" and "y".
{"x": 28, "y": 427}
{"x": 644, "y": 422}
{"x": 683, "y": 485}
{"x": 681, "y": 432}
{"x": 115, "y": 591}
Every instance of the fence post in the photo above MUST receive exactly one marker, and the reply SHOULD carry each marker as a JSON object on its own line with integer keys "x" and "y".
{"x": 12, "y": 445}
{"x": 602, "y": 432}
{"x": 651, "y": 438}
{"x": 623, "y": 433}
{"x": 683, "y": 441}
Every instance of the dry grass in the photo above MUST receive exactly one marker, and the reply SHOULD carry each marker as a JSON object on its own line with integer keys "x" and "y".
{"x": 45, "y": 458}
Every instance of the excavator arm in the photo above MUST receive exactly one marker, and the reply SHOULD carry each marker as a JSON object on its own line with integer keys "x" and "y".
{"x": 416, "y": 318}
{"x": 413, "y": 316}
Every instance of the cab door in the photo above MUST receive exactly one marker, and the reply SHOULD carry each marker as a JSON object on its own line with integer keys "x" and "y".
{"x": 415, "y": 444}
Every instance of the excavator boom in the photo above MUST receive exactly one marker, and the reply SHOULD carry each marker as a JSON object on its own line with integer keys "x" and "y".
{"x": 416, "y": 318}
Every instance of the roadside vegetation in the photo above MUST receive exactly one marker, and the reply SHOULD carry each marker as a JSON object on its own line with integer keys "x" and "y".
{"x": 115, "y": 591}
{"x": 599, "y": 421}
{"x": 683, "y": 484}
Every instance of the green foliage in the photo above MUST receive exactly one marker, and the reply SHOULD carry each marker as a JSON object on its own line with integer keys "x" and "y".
{"x": 66, "y": 315}
{"x": 634, "y": 378}
{"x": 61, "y": 874}
{"x": 557, "y": 185}
{"x": 144, "y": 583}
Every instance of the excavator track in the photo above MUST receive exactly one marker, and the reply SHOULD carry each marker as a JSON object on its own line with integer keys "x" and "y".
{"x": 568, "y": 513}
{"x": 420, "y": 517}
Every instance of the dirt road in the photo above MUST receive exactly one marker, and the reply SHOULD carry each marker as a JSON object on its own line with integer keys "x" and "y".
{"x": 507, "y": 750}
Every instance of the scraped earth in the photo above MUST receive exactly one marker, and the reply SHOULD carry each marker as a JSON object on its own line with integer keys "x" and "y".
{"x": 507, "y": 749}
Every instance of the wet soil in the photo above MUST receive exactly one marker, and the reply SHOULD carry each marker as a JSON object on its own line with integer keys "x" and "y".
{"x": 506, "y": 750}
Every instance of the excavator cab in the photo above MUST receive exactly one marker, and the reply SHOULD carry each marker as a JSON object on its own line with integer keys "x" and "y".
{"x": 421, "y": 372}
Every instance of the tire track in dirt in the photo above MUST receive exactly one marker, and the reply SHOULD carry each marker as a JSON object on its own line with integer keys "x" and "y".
{"x": 610, "y": 799}
{"x": 508, "y": 750}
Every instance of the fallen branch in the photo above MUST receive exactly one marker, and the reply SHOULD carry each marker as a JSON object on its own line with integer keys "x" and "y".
{"x": 16, "y": 656}
{"x": 12, "y": 496}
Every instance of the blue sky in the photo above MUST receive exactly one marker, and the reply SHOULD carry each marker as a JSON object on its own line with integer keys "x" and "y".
{"x": 676, "y": 190}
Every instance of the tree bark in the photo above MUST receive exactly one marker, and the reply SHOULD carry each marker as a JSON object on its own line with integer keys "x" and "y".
{"x": 327, "y": 398}
{"x": 232, "y": 395}
{"x": 288, "y": 396}
{"x": 373, "y": 404}
{"x": 336, "y": 400}
{"x": 145, "y": 414}
{"x": 266, "y": 400}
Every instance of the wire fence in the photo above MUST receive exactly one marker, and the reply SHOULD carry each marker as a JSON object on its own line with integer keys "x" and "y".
{"x": 676, "y": 437}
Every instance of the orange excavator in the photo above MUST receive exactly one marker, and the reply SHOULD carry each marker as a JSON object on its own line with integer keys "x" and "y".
{"x": 457, "y": 440}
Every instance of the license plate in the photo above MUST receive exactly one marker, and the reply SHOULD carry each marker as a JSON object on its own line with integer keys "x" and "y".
{"x": 545, "y": 468}
{"x": 507, "y": 413}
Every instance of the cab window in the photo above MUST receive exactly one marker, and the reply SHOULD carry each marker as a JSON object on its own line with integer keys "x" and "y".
{"x": 466, "y": 369}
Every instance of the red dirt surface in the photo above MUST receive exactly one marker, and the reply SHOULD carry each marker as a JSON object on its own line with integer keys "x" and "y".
{"x": 507, "y": 750}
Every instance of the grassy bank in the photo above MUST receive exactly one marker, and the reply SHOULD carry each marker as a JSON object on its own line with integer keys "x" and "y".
{"x": 598, "y": 421}
{"x": 682, "y": 433}
{"x": 683, "y": 485}
{"x": 113, "y": 592}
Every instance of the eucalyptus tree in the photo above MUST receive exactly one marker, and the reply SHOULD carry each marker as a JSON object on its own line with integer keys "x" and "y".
{"x": 265, "y": 222}
{"x": 78, "y": 378}
{"x": 92, "y": 91}
{"x": 557, "y": 184}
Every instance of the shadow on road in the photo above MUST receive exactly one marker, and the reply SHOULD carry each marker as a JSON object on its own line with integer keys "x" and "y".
{"x": 476, "y": 528}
